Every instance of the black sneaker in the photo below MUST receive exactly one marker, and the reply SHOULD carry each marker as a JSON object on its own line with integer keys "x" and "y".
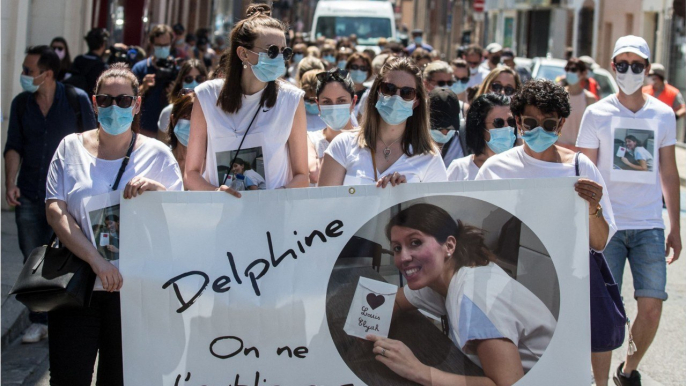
{"x": 634, "y": 379}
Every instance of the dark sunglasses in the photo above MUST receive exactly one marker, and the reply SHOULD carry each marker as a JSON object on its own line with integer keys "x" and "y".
{"x": 389, "y": 89}
{"x": 474, "y": 64}
{"x": 463, "y": 80}
{"x": 636, "y": 67}
{"x": 499, "y": 123}
{"x": 189, "y": 78}
{"x": 123, "y": 101}
{"x": 185, "y": 91}
{"x": 571, "y": 69}
{"x": 499, "y": 89}
{"x": 356, "y": 67}
{"x": 548, "y": 124}
{"x": 443, "y": 83}
{"x": 273, "y": 51}
{"x": 335, "y": 74}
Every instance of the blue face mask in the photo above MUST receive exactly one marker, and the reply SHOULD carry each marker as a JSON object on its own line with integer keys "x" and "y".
{"x": 182, "y": 130}
{"x": 341, "y": 64}
{"x": 267, "y": 69}
{"x": 27, "y": 83}
{"x": 335, "y": 116}
{"x": 393, "y": 109}
{"x": 329, "y": 58}
{"x": 572, "y": 78}
{"x": 114, "y": 119}
{"x": 440, "y": 137}
{"x": 297, "y": 58}
{"x": 418, "y": 40}
{"x": 501, "y": 139}
{"x": 539, "y": 140}
{"x": 458, "y": 87}
{"x": 191, "y": 85}
{"x": 358, "y": 76}
{"x": 161, "y": 52}
{"x": 311, "y": 108}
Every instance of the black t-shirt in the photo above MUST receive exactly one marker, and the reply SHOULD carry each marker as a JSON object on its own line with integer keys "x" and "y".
{"x": 90, "y": 66}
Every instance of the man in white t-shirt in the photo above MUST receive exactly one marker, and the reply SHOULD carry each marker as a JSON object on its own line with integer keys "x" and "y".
{"x": 636, "y": 194}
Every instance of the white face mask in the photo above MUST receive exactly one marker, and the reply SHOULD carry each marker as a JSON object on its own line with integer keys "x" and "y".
{"x": 473, "y": 71}
{"x": 629, "y": 82}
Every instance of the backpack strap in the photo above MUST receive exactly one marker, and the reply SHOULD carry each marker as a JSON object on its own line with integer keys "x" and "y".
{"x": 73, "y": 99}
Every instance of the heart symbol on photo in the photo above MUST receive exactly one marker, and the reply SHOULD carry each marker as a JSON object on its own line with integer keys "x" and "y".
{"x": 375, "y": 301}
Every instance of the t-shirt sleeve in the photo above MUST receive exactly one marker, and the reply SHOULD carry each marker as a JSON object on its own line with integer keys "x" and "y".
{"x": 588, "y": 132}
{"x": 338, "y": 149}
{"x": 678, "y": 101}
{"x": 54, "y": 187}
{"x": 163, "y": 121}
{"x": 170, "y": 173}
{"x": 435, "y": 170}
{"x": 589, "y": 170}
{"x": 14, "y": 141}
{"x": 485, "y": 173}
{"x": 426, "y": 299}
{"x": 668, "y": 127}
{"x": 87, "y": 114}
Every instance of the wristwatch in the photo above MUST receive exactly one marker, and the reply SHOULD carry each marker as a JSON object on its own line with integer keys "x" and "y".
{"x": 598, "y": 212}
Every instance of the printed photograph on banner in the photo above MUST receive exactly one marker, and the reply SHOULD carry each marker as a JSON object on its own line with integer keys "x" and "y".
{"x": 104, "y": 224}
{"x": 503, "y": 287}
{"x": 634, "y": 150}
{"x": 248, "y": 172}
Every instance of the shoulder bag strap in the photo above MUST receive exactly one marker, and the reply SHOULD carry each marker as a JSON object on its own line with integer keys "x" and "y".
{"x": 125, "y": 161}
{"x": 241, "y": 144}
{"x": 576, "y": 163}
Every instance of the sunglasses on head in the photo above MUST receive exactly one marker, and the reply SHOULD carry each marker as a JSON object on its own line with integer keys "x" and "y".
{"x": 571, "y": 69}
{"x": 499, "y": 123}
{"x": 443, "y": 83}
{"x": 273, "y": 52}
{"x": 548, "y": 124}
{"x": 123, "y": 101}
{"x": 463, "y": 80}
{"x": 189, "y": 78}
{"x": 356, "y": 67}
{"x": 499, "y": 89}
{"x": 389, "y": 89}
{"x": 636, "y": 67}
{"x": 333, "y": 74}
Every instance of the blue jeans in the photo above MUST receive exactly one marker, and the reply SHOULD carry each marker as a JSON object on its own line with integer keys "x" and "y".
{"x": 645, "y": 250}
{"x": 33, "y": 231}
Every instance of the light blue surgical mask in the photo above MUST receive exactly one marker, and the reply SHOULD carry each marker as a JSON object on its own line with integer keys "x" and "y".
{"x": 311, "y": 108}
{"x": 572, "y": 78}
{"x": 267, "y": 69}
{"x": 358, "y": 76}
{"x": 501, "y": 139}
{"x": 182, "y": 130}
{"x": 27, "y": 83}
{"x": 418, "y": 40}
{"x": 341, "y": 64}
{"x": 114, "y": 119}
{"x": 458, "y": 87}
{"x": 394, "y": 110}
{"x": 329, "y": 58}
{"x": 297, "y": 58}
{"x": 440, "y": 137}
{"x": 191, "y": 85}
{"x": 539, "y": 140}
{"x": 335, "y": 116}
{"x": 161, "y": 52}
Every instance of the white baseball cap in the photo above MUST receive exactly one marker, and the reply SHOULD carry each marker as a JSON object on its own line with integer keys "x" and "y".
{"x": 494, "y": 47}
{"x": 633, "y": 44}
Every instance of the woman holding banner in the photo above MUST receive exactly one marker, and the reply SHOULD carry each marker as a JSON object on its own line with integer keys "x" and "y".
{"x": 249, "y": 114}
{"x": 450, "y": 271}
{"x": 394, "y": 144}
{"x": 110, "y": 157}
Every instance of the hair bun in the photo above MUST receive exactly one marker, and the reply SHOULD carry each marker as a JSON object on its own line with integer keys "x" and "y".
{"x": 255, "y": 10}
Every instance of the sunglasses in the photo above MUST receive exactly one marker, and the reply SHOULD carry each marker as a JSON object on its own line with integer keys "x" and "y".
{"x": 123, "y": 101}
{"x": 189, "y": 78}
{"x": 571, "y": 69}
{"x": 333, "y": 74}
{"x": 356, "y": 67}
{"x": 273, "y": 52}
{"x": 57, "y": 48}
{"x": 442, "y": 83}
{"x": 499, "y": 123}
{"x": 389, "y": 89}
{"x": 185, "y": 91}
{"x": 636, "y": 67}
{"x": 463, "y": 80}
{"x": 474, "y": 64}
{"x": 548, "y": 124}
{"x": 499, "y": 89}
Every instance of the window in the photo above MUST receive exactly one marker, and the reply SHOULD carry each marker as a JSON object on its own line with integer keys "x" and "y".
{"x": 367, "y": 29}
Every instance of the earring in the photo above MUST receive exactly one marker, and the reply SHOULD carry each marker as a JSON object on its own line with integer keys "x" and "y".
{"x": 245, "y": 65}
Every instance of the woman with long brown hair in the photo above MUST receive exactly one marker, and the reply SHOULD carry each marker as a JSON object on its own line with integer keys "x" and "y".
{"x": 250, "y": 111}
{"x": 191, "y": 74}
{"x": 501, "y": 80}
{"x": 179, "y": 128}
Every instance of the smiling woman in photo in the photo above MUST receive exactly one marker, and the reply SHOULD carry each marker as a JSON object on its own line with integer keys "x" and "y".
{"x": 496, "y": 321}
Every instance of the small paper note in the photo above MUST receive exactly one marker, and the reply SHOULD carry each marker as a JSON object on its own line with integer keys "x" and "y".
{"x": 371, "y": 309}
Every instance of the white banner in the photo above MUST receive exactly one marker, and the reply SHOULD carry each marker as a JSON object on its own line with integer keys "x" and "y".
{"x": 256, "y": 291}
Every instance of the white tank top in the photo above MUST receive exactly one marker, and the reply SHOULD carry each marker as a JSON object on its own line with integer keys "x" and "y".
{"x": 570, "y": 130}
{"x": 265, "y": 145}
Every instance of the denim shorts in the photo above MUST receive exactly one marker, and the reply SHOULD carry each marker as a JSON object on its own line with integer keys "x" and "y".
{"x": 645, "y": 250}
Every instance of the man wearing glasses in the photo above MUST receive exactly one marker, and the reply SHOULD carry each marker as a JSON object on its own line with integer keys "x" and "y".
{"x": 636, "y": 195}
{"x": 40, "y": 117}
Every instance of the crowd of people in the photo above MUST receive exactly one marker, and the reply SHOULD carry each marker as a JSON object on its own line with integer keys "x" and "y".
{"x": 267, "y": 109}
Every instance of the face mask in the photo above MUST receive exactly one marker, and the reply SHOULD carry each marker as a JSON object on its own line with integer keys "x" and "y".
{"x": 393, "y": 109}
{"x": 311, "y": 108}
{"x": 329, "y": 58}
{"x": 572, "y": 78}
{"x": 335, "y": 116}
{"x": 114, "y": 119}
{"x": 341, "y": 64}
{"x": 267, "y": 69}
{"x": 418, "y": 40}
{"x": 60, "y": 53}
{"x": 539, "y": 140}
{"x": 161, "y": 52}
{"x": 501, "y": 139}
{"x": 473, "y": 71}
{"x": 179, "y": 42}
{"x": 297, "y": 58}
{"x": 495, "y": 60}
{"x": 27, "y": 83}
{"x": 458, "y": 87}
{"x": 358, "y": 76}
{"x": 191, "y": 85}
{"x": 629, "y": 82}
{"x": 182, "y": 130}
{"x": 442, "y": 138}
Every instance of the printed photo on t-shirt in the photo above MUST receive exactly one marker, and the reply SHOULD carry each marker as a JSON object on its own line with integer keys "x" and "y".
{"x": 633, "y": 151}
{"x": 242, "y": 170}
{"x": 105, "y": 227}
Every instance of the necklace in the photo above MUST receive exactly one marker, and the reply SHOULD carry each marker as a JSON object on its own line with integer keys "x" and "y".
{"x": 387, "y": 149}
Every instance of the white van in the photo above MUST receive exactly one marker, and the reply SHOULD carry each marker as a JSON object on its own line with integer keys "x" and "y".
{"x": 368, "y": 19}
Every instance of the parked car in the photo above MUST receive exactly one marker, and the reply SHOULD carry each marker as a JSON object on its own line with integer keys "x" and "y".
{"x": 554, "y": 69}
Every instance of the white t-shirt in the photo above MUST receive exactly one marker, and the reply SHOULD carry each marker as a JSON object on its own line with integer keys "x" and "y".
{"x": 315, "y": 122}
{"x": 269, "y": 131}
{"x": 463, "y": 169}
{"x": 486, "y": 303}
{"x": 516, "y": 164}
{"x": 603, "y": 127}
{"x": 359, "y": 169}
{"x": 75, "y": 174}
{"x": 256, "y": 179}
{"x": 165, "y": 115}
{"x": 319, "y": 141}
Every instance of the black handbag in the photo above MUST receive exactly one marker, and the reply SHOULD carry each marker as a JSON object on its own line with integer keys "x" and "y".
{"x": 53, "y": 277}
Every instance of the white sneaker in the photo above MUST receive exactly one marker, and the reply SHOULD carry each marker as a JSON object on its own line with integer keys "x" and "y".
{"x": 35, "y": 333}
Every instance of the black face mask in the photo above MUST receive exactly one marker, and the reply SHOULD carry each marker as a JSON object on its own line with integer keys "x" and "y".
{"x": 495, "y": 60}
